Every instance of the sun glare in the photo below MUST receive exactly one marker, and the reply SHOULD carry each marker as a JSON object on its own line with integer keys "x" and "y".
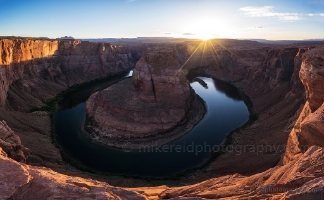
{"x": 202, "y": 28}
{"x": 207, "y": 28}
{"x": 205, "y": 36}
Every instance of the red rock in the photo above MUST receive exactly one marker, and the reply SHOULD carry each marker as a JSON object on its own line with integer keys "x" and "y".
{"x": 155, "y": 100}
{"x": 308, "y": 129}
{"x": 11, "y": 143}
{"x": 40, "y": 69}
{"x": 18, "y": 181}
{"x": 312, "y": 76}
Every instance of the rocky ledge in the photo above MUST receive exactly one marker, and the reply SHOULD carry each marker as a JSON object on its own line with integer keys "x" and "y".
{"x": 11, "y": 144}
{"x": 155, "y": 100}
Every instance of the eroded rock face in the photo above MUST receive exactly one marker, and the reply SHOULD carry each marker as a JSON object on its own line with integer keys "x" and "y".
{"x": 16, "y": 54}
{"x": 301, "y": 178}
{"x": 159, "y": 78}
{"x": 155, "y": 100}
{"x": 11, "y": 144}
{"x": 312, "y": 76}
{"x": 308, "y": 129}
{"x": 280, "y": 63}
{"x": 39, "y": 69}
{"x": 295, "y": 80}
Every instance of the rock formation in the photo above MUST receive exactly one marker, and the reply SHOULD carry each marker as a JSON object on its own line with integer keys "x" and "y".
{"x": 308, "y": 129}
{"x": 155, "y": 100}
{"x": 302, "y": 178}
{"x": 37, "y": 70}
{"x": 18, "y": 181}
{"x": 11, "y": 144}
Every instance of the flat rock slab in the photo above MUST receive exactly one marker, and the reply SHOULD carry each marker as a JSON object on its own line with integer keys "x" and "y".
{"x": 12, "y": 176}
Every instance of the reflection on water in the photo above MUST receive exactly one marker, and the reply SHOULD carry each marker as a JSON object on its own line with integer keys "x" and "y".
{"x": 225, "y": 112}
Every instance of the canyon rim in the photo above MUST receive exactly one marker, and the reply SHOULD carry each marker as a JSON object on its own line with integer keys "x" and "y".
{"x": 139, "y": 99}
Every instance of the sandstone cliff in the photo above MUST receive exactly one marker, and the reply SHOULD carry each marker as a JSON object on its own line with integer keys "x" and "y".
{"x": 267, "y": 75}
{"x": 302, "y": 178}
{"x": 32, "y": 71}
{"x": 309, "y": 127}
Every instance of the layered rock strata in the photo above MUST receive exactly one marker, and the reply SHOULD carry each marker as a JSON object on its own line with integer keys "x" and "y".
{"x": 155, "y": 100}
{"x": 302, "y": 178}
{"x": 33, "y": 70}
{"x": 309, "y": 127}
{"x": 259, "y": 71}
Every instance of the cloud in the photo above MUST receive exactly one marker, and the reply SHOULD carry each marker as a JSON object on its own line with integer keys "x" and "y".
{"x": 129, "y": 1}
{"x": 268, "y": 11}
{"x": 314, "y": 15}
{"x": 188, "y": 34}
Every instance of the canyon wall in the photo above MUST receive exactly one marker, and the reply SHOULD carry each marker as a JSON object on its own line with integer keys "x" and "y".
{"x": 309, "y": 127}
{"x": 300, "y": 175}
{"x": 32, "y": 71}
{"x": 269, "y": 77}
{"x": 17, "y": 56}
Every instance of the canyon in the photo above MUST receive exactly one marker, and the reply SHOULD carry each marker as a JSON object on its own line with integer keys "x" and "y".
{"x": 156, "y": 100}
{"x": 283, "y": 115}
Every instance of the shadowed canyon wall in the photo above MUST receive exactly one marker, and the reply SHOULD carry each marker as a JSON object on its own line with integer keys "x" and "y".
{"x": 32, "y": 71}
{"x": 267, "y": 75}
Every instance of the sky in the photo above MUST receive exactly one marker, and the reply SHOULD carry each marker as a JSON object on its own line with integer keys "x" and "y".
{"x": 257, "y": 19}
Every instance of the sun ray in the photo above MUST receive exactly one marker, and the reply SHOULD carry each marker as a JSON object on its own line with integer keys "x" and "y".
{"x": 203, "y": 52}
{"x": 217, "y": 61}
{"x": 249, "y": 64}
{"x": 188, "y": 59}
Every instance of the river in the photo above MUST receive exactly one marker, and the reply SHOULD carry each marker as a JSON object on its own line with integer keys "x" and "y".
{"x": 226, "y": 111}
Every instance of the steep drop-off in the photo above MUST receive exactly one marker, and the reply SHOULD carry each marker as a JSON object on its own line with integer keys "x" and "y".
{"x": 267, "y": 75}
{"x": 309, "y": 127}
{"x": 32, "y": 71}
